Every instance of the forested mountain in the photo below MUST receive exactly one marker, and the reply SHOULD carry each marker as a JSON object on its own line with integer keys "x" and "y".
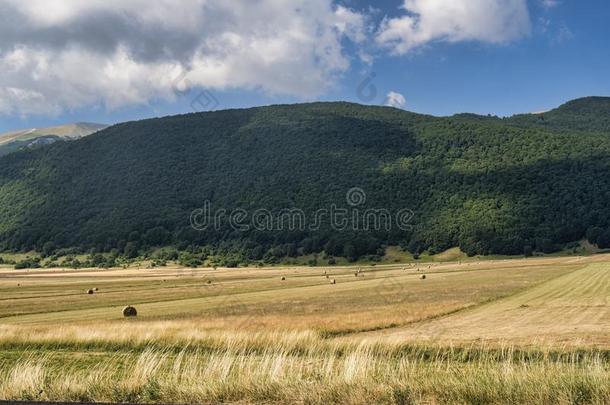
{"x": 485, "y": 184}
{"x": 585, "y": 114}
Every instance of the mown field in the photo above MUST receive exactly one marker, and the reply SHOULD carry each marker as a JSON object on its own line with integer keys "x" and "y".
{"x": 499, "y": 331}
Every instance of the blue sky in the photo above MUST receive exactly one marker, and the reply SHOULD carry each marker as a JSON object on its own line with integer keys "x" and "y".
{"x": 486, "y": 56}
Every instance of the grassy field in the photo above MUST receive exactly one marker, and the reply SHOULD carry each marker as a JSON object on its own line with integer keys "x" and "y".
{"x": 497, "y": 331}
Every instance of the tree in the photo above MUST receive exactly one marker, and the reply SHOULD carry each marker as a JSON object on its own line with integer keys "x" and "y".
{"x": 131, "y": 250}
{"x": 349, "y": 252}
{"x": 604, "y": 239}
{"x": 257, "y": 252}
{"x": 594, "y": 234}
{"x": 48, "y": 249}
{"x": 157, "y": 236}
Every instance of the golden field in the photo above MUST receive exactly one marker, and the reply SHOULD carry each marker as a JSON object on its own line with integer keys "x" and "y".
{"x": 495, "y": 331}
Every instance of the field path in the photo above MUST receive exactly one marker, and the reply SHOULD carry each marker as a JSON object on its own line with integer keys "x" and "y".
{"x": 573, "y": 308}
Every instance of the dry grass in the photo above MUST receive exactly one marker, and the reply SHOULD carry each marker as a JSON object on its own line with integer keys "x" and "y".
{"x": 465, "y": 335}
{"x": 383, "y": 296}
{"x": 573, "y": 309}
{"x": 324, "y": 373}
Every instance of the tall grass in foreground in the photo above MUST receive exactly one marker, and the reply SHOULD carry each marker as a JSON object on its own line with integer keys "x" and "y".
{"x": 324, "y": 372}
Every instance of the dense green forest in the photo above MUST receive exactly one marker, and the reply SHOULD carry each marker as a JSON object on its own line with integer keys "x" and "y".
{"x": 486, "y": 184}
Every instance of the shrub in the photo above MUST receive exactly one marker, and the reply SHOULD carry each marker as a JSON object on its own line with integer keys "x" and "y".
{"x": 28, "y": 263}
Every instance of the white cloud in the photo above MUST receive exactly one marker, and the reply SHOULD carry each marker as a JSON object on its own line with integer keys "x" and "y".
{"x": 396, "y": 100}
{"x": 67, "y": 54}
{"x": 564, "y": 33}
{"x": 548, "y": 4}
{"x": 492, "y": 21}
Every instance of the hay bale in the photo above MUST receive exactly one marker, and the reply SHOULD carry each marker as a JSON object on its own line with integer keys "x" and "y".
{"x": 333, "y": 281}
{"x": 283, "y": 278}
{"x": 95, "y": 289}
{"x": 422, "y": 277}
{"x": 209, "y": 281}
{"x": 129, "y": 311}
{"x": 90, "y": 291}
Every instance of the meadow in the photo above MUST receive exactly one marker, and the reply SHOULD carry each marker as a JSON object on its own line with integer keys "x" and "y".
{"x": 509, "y": 331}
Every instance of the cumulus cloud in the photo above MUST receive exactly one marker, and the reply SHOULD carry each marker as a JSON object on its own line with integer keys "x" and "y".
{"x": 396, "y": 100}
{"x": 66, "y": 54}
{"x": 492, "y": 21}
{"x": 58, "y": 55}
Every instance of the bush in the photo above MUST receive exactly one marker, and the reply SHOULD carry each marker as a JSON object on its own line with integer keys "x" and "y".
{"x": 28, "y": 263}
{"x": 169, "y": 254}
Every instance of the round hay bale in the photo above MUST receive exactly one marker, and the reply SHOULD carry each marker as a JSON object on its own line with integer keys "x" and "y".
{"x": 333, "y": 281}
{"x": 209, "y": 281}
{"x": 90, "y": 291}
{"x": 96, "y": 289}
{"x": 422, "y": 277}
{"x": 283, "y": 278}
{"x": 129, "y": 311}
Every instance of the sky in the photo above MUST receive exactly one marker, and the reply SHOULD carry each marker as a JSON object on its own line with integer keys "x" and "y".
{"x": 110, "y": 61}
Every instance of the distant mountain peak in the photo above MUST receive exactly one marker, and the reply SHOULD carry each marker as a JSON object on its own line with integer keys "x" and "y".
{"x": 31, "y": 137}
{"x": 586, "y": 105}
{"x": 581, "y": 114}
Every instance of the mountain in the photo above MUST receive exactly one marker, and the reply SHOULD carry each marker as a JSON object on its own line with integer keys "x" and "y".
{"x": 584, "y": 114}
{"x": 485, "y": 184}
{"x": 16, "y": 140}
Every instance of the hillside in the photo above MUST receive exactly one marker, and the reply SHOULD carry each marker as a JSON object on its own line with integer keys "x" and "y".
{"x": 16, "y": 140}
{"x": 585, "y": 114}
{"x": 505, "y": 186}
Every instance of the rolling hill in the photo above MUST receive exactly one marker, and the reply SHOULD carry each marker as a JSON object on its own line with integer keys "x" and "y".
{"x": 488, "y": 185}
{"x": 585, "y": 114}
{"x": 16, "y": 140}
